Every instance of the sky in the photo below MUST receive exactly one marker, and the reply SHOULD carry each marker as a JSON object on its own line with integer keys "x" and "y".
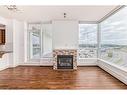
{"x": 113, "y": 30}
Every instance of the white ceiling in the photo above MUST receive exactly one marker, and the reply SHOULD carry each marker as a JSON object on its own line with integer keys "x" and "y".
{"x": 46, "y": 13}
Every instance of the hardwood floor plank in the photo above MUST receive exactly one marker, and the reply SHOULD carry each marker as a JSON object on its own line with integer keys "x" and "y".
{"x": 33, "y": 77}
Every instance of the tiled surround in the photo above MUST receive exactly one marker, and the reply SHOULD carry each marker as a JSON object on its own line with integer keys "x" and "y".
{"x": 65, "y": 52}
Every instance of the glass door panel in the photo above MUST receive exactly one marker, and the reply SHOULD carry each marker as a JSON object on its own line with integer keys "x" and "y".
{"x": 34, "y": 31}
{"x": 35, "y": 45}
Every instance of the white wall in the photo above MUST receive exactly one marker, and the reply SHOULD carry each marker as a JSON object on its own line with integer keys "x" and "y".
{"x": 26, "y": 45}
{"x": 3, "y": 21}
{"x": 47, "y": 38}
{"x": 65, "y": 34}
{"x": 21, "y": 42}
{"x": 9, "y": 41}
{"x": 18, "y": 42}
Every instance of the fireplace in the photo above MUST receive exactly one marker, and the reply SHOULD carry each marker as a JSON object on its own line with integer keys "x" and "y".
{"x": 64, "y": 61}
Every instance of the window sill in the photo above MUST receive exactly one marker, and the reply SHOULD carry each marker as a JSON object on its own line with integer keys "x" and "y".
{"x": 112, "y": 64}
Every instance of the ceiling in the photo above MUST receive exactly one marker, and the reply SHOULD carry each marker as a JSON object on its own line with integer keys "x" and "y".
{"x": 47, "y": 13}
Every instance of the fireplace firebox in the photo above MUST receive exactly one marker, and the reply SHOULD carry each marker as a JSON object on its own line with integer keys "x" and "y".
{"x": 64, "y": 61}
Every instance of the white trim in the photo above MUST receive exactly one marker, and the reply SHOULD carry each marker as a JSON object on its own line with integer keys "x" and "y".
{"x": 4, "y": 68}
{"x": 87, "y": 64}
{"x": 115, "y": 10}
{"x": 35, "y": 64}
{"x": 113, "y": 70}
{"x": 88, "y": 22}
{"x": 98, "y": 39}
{"x": 87, "y": 58}
{"x": 111, "y": 64}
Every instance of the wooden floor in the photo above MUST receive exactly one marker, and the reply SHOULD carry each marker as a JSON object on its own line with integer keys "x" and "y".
{"x": 47, "y": 78}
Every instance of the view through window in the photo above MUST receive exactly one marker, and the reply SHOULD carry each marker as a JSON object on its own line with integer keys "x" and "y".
{"x": 87, "y": 40}
{"x": 114, "y": 38}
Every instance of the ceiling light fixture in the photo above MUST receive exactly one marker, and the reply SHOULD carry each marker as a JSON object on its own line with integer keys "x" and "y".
{"x": 13, "y": 8}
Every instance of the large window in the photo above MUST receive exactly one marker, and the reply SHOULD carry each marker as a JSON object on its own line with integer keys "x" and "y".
{"x": 114, "y": 38}
{"x": 87, "y": 40}
{"x": 39, "y": 41}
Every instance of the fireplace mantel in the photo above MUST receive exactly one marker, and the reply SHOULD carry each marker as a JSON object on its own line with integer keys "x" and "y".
{"x": 64, "y": 52}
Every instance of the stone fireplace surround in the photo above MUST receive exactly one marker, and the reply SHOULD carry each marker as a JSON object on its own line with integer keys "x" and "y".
{"x": 65, "y": 52}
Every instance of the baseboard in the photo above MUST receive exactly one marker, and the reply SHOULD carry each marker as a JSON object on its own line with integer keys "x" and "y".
{"x": 35, "y": 64}
{"x": 4, "y": 68}
{"x": 13, "y": 65}
{"x": 87, "y": 64}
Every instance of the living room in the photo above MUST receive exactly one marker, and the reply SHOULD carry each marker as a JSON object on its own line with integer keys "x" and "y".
{"x": 63, "y": 47}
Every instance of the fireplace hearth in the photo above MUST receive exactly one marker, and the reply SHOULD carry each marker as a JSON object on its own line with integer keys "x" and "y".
{"x": 64, "y": 61}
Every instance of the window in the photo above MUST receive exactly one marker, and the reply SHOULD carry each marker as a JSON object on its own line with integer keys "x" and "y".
{"x": 40, "y": 41}
{"x": 87, "y": 40}
{"x": 34, "y": 41}
{"x": 114, "y": 38}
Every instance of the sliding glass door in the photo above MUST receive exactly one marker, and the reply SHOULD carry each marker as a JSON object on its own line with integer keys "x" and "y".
{"x": 34, "y": 41}
{"x": 39, "y": 41}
